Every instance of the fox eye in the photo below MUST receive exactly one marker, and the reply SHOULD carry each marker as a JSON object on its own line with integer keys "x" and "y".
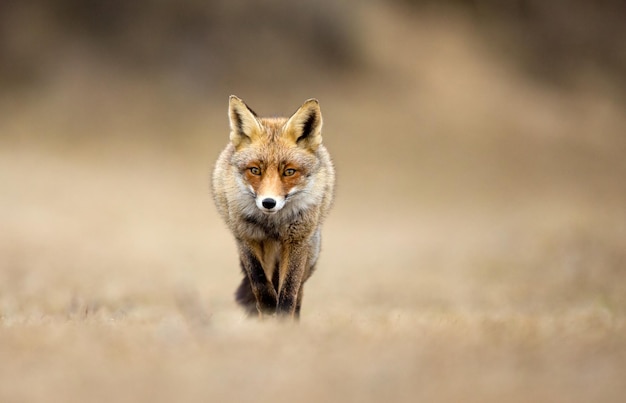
{"x": 255, "y": 170}
{"x": 289, "y": 172}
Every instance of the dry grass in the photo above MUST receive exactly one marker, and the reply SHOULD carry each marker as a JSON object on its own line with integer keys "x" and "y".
{"x": 476, "y": 252}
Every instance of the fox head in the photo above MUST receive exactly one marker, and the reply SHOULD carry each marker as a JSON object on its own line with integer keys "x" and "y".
{"x": 275, "y": 157}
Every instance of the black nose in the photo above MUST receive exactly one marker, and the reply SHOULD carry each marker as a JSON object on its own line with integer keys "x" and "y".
{"x": 268, "y": 203}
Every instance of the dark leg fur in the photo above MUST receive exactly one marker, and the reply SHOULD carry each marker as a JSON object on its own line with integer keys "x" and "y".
{"x": 257, "y": 284}
{"x": 292, "y": 284}
{"x": 275, "y": 278}
{"x": 267, "y": 301}
{"x": 299, "y": 303}
{"x": 245, "y": 297}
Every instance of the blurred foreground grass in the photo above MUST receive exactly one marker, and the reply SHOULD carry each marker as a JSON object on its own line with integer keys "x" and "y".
{"x": 476, "y": 251}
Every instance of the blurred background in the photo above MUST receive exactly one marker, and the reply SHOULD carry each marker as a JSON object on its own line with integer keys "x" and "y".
{"x": 479, "y": 229}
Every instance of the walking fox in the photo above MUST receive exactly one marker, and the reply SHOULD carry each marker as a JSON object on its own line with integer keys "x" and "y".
{"x": 273, "y": 184}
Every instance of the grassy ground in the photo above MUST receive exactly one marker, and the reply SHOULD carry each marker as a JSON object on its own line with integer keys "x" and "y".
{"x": 476, "y": 251}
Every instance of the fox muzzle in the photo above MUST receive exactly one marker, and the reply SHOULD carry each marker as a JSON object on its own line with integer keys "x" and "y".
{"x": 270, "y": 204}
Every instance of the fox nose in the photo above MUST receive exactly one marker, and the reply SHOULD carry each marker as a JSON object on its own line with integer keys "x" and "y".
{"x": 269, "y": 203}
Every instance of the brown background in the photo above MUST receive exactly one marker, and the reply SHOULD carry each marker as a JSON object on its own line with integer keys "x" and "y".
{"x": 477, "y": 247}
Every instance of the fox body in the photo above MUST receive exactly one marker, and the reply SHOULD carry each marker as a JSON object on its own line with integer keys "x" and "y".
{"x": 273, "y": 184}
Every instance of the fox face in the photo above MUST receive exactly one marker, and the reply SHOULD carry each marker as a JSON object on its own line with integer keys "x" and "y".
{"x": 275, "y": 157}
{"x": 273, "y": 182}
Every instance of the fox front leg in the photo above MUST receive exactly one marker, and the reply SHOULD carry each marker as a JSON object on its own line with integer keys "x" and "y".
{"x": 262, "y": 288}
{"x": 299, "y": 302}
{"x": 289, "y": 296}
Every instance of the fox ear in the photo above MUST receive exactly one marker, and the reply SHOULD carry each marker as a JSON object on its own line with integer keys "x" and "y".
{"x": 243, "y": 122}
{"x": 304, "y": 127}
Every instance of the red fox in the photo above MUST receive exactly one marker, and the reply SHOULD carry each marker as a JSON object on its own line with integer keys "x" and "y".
{"x": 273, "y": 184}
